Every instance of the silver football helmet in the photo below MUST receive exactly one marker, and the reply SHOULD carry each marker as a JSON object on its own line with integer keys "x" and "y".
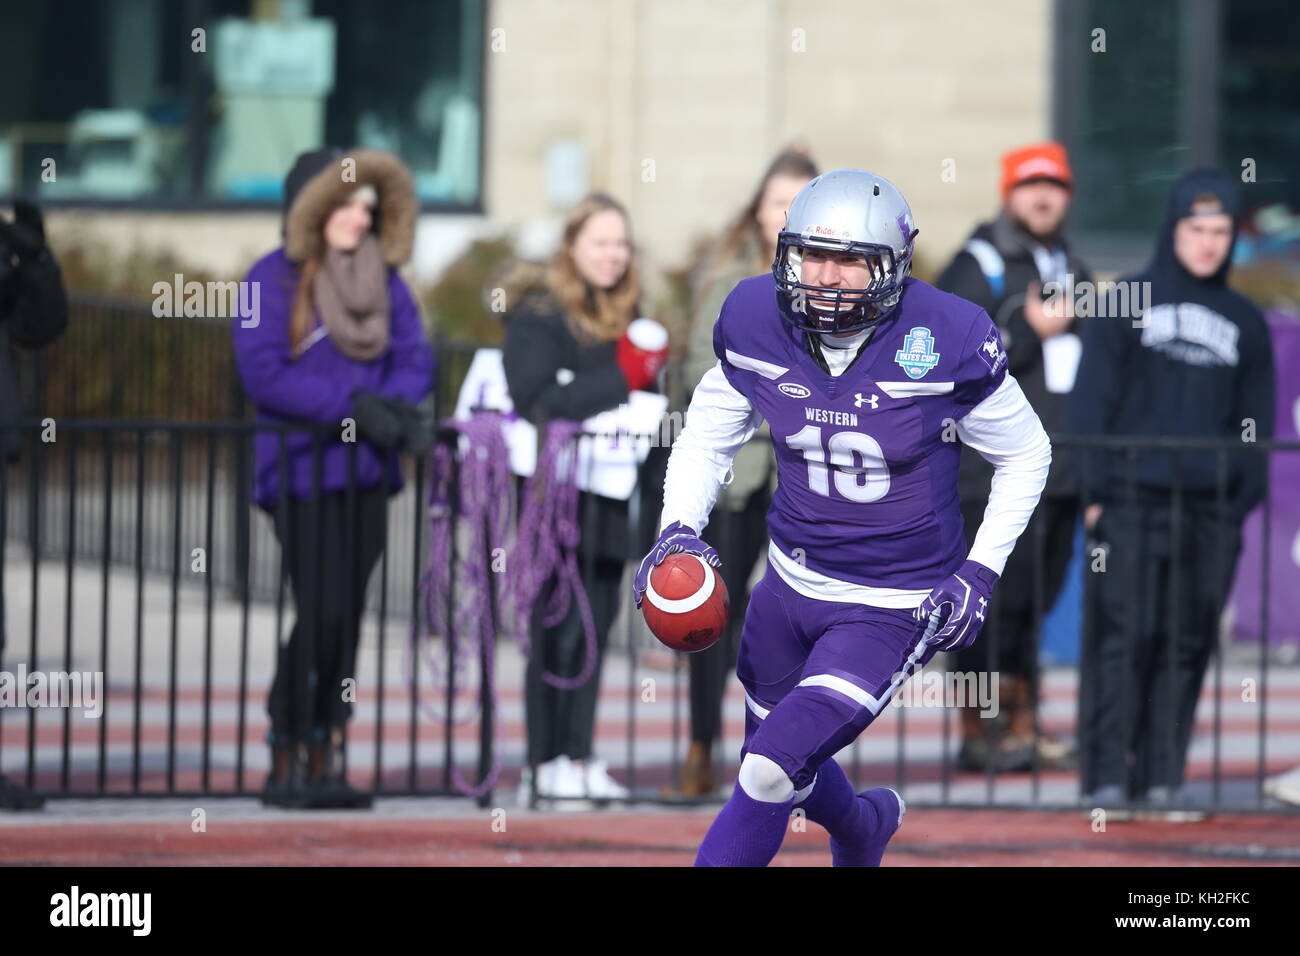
{"x": 844, "y": 211}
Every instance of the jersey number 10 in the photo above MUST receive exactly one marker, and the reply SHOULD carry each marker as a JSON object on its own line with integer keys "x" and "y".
{"x": 843, "y": 447}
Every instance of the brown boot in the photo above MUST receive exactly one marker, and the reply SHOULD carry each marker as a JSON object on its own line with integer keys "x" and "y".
{"x": 285, "y": 785}
{"x": 1016, "y": 753}
{"x": 1056, "y": 754}
{"x": 1053, "y": 754}
{"x": 697, "y": 779}
{"x": 976, "y": 739}
{"x": 327, "y": 787}
{"x": 1020, "y": 718}
{"x": 14, "y": 797}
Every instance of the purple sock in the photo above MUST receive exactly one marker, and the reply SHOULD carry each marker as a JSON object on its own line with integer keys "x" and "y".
{"x": 854, "y": 821}
{"x": 747, "y": 832}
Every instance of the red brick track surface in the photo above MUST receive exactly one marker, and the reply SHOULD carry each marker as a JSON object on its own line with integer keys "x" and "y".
{"x": 928, "y": 838}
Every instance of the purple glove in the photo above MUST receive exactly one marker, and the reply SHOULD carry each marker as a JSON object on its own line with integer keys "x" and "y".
{"x": 676, "y": 537}
{"x": 955, "y": 610}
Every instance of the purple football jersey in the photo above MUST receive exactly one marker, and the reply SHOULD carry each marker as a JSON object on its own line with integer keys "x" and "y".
{"x": 867, "y": 483}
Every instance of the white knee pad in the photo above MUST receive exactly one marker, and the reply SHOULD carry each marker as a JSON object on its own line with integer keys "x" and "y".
{"x": 764, "y": 780}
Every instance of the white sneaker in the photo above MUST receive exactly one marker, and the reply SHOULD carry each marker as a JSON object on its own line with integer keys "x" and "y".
{"x": 545, "y": 773}
{"x": 566, "y": 779}
{"x": 1284, "y": 787}
{"x": 600, "y": 785}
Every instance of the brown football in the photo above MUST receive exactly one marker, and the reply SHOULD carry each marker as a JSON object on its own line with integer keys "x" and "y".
{"x": 686, "y": 603}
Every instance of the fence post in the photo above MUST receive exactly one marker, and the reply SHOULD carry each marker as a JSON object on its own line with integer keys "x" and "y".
{"x": 241, "y": 493}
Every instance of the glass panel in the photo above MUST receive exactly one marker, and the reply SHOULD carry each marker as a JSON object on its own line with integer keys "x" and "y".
{"x": 110, "y": 123}
{"x": 414, "y": 88}
{"x": 137, "y": 115}
{"x": 408, "y": 81}
{"x": 1260, "y": 115}
{"x": 1129, "y": 121}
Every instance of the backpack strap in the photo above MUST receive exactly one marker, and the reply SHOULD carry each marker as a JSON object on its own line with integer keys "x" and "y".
{"x": 990, "y": 262}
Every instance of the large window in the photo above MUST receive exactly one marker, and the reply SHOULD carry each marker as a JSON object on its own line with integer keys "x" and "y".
{"x": 108, "y": 100}
{"x": 1259, "y": 102}
{"x": 1201, "y": 82}
{"x": 1125, "y": 144}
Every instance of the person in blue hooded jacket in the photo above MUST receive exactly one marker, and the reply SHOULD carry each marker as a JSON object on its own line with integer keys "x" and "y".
{"x": 1197, "y": 363}
{"x": 337, "y": 342}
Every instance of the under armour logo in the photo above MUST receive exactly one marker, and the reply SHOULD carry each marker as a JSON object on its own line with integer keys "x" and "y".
{"x": 984, "y": 603}
{"x": 859, "y": 401}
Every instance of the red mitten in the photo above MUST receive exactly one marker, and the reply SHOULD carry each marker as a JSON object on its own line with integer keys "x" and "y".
{"x": 642, "y": 352}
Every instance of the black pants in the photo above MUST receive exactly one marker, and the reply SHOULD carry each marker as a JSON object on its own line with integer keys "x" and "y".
{"x": 329, "y": 553}
{"x": 1008, "y": 643}
{"x": 562, "y": 722}
{"x": 739, "y": 537}
{"x": 1152, "y": 624}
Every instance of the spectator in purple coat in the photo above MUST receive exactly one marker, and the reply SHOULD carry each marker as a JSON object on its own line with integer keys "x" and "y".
{"x": 336, "y": 341}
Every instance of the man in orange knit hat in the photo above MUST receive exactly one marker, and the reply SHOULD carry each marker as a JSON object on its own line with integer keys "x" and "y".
{"x": 1004, "y": 267}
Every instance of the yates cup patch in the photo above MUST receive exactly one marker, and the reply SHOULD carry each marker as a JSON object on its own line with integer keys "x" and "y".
{"x": 917, "y": 356}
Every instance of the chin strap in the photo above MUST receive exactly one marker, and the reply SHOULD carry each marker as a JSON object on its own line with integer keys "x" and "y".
{"x": 813, "y": 343}
{"x": 814, "y": 347}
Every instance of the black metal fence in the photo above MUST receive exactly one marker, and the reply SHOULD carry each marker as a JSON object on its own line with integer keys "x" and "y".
{"x": 145, "y": 374}
{"x": 132, "y": 550}
{"x": 129, "y": 553}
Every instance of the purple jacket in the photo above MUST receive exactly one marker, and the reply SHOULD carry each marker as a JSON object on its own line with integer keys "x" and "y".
{"x": 318, "y": 387}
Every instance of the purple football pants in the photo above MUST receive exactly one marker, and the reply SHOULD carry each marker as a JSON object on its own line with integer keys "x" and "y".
{"x": 849, "y": 656}
{"x": 816, "y": 674}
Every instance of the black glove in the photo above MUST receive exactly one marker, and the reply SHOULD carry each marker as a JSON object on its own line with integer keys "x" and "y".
{"x": 376, "y": 421}
{"x": 417, "y": 430}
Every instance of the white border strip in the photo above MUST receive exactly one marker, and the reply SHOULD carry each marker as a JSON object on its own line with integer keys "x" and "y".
{"x": 841, "y": 686}
{"x": 758, "y": 709}
{"x": 908, "y": 389}
{"x": 765, "y": 369}
{"x": 682, "y": 605}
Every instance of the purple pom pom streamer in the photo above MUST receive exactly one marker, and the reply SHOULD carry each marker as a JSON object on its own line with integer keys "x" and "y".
{"x": 486, "y": 494}
{"x": 546, "y": 547}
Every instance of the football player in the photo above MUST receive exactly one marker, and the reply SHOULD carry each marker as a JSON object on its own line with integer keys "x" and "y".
{"x": 870, "y": 380}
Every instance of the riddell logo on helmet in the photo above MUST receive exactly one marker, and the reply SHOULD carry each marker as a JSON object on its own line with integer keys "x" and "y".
{"x": 825, "y": 231}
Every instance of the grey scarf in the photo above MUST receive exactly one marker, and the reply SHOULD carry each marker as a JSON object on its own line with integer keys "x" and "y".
{"x": 351, "y": 294}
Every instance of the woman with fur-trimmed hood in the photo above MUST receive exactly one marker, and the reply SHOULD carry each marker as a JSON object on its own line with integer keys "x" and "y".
{"x": 337, "y": 336}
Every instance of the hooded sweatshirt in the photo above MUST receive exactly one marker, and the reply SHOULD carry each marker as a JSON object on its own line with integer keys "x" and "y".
{"x": 1199, "y": 367}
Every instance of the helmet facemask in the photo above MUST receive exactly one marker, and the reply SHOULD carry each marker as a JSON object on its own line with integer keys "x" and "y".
{"x": 823, "y": 310}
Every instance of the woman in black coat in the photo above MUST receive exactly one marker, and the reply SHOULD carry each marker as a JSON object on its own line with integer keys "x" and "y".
{"x": 567, "y": 357}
